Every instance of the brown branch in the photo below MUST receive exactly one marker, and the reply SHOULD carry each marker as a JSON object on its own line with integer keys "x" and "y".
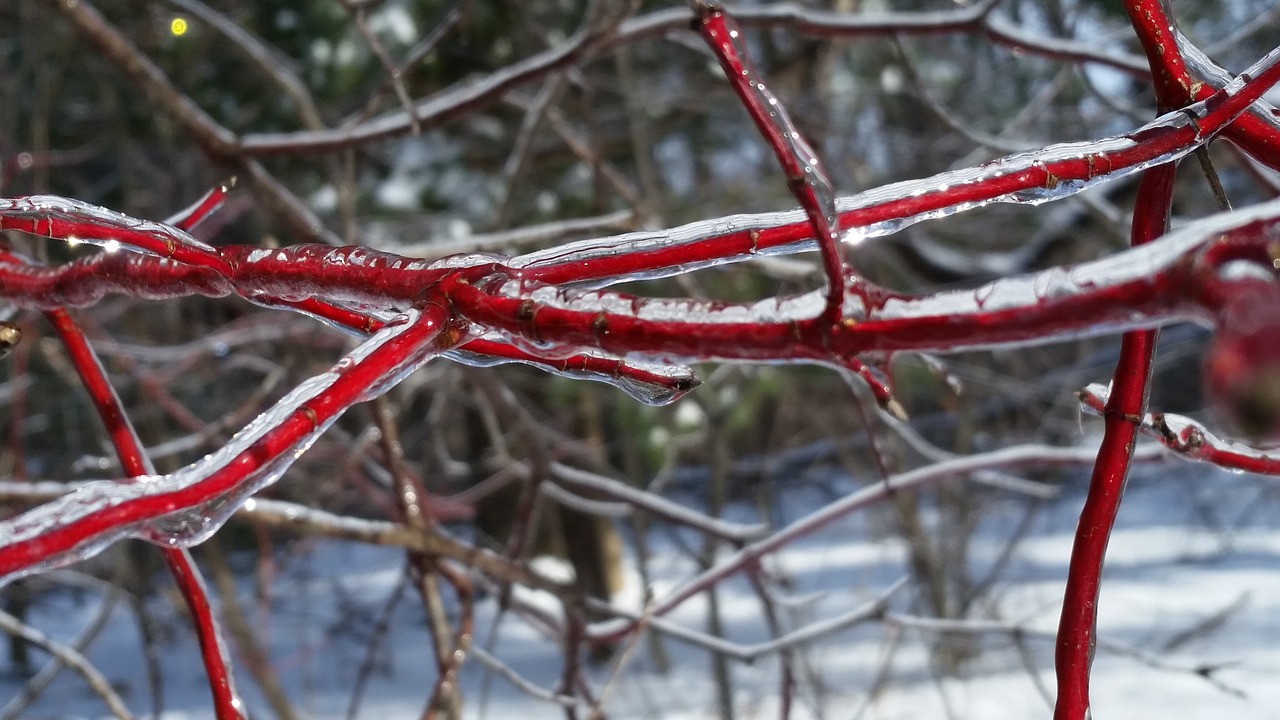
{"x": 218, "y": 142}
{"x": 71, "y": 658}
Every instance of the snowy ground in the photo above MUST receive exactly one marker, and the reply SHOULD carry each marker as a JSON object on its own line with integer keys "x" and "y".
{"x": 1192, "y": 580}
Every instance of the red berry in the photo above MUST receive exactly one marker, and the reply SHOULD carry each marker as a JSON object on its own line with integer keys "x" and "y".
{"x": 1242, "y": 370}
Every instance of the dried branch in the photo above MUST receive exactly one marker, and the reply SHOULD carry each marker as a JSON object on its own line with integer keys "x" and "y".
{"x": 71, "y": 658}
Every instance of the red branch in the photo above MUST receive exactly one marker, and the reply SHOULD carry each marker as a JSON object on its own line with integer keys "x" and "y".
{"x": 135, "y": 464}
{"x": 547, "y": 309}
{"x": 1192, "y": 440}
{"x": 800, "y": 164}
{"x": 1077, "y": 629}
{"x": 1175, "y": 87}
{"x": 57, "y": 531}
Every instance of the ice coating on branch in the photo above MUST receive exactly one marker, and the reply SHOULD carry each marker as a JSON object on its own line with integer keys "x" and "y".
{"x": 768, "y": 310}
{"x": 89, "y": 278}
{"x": 42, "y": 210}
{"x": 740, "y": 237}
{"x": 679, "y": 380}
{"x": 1095, "y": 154}
{"x": 1134, "y": 265}
{"x": 652, "y": 383}
{"x": 1191, "y": 439}
{"x": 1188, "y": 437}
{"x": 394, "y": 374}
{"x": 1056, "y": 171}
{"x": 352, "y": 276}
{"x": 189, "y": 217}
{"x": 667, "y": 241}
{"x": 805, "y": 175}
{"x": 187, "y": 526}
{"x": 195, "y": 525}
{"x": 1201, "y": 64}
{"x": 797, "y": 157}
{"x": 466, "y": 260}
{"x": 85, "y": 499}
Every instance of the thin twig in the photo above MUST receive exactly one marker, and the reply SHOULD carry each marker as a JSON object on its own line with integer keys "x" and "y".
{"x": 70, "y": 657}
{"x": 32, "y": 689}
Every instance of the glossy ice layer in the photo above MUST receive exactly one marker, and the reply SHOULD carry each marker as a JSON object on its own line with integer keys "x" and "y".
{"x": 187, "y": 526}
{"x": 1135, "y": 265}
{"x": 585, "y": 251}
{"x": 652, "y": 383}
{"x": 941, "y": 195}
{"x": 769, "y": 310}
{"x": 44, "y": 210}
{"x": 1192, "y": 439}
{"x": 1203, "y": 66}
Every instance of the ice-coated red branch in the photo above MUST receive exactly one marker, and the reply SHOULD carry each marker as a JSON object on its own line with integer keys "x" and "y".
{"x": 381, "y": 279}
{"x": 1141, "y": 288}
{"x": 551, "y": 309}
{"x": 1177, "y": 279}
{"x": 801, "y": 166}
{"x": 1031, "y": 177}
{"x": 1256, "y": 132}
{"x": 136, "y": 465}
{"x": 1191, "y": 439}
{"x": 177, "y": 264}
{"x": 187, "y": 506}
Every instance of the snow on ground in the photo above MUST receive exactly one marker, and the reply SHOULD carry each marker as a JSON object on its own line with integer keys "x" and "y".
{"x": 1192, "y": 581}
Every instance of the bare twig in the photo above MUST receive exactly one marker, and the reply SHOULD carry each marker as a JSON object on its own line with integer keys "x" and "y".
{"x": 70, "y": 657}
